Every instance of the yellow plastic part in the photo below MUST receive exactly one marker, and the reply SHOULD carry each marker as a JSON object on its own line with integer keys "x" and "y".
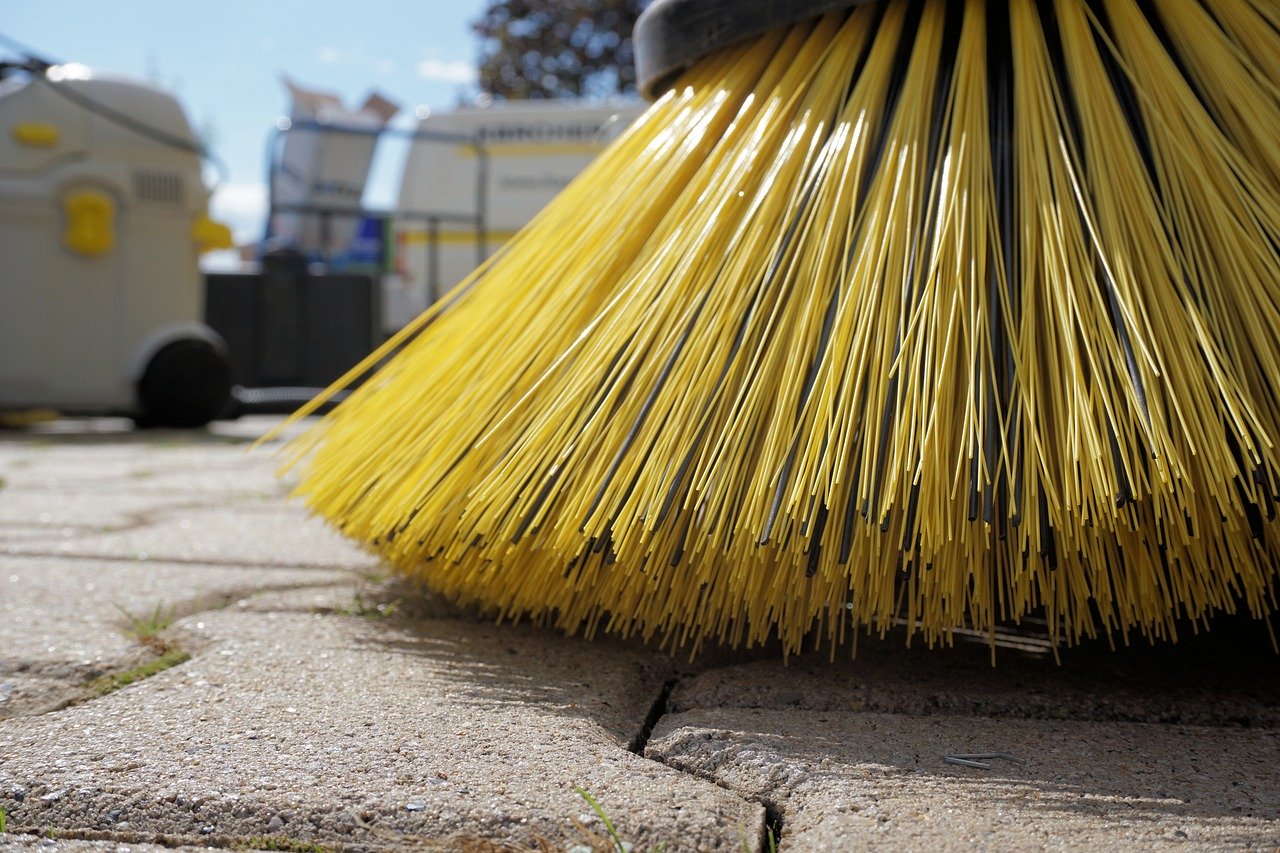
{"x": 91, "y": 218}
{"x": 36, "y": 134}
{"x": 26, "y": 418}
{"x": 210, "y": 235}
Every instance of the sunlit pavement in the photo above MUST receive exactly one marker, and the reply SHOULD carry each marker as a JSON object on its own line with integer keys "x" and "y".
{"x": 188, "y": 658}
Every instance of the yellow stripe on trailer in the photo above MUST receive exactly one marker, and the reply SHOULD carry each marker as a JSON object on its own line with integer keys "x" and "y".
{"x": 526, "y": 149}
{"x": 454, "y": 238}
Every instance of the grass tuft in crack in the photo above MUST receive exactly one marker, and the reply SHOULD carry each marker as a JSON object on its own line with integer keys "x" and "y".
{"x": 4, "y": 821}
{"x": 112, "y": 682}
{"x": 147, "y": 627}
{"x": 368, "y": 609}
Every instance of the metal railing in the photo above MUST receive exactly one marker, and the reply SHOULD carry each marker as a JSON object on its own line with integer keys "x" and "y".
{"x": 326, "y": 213}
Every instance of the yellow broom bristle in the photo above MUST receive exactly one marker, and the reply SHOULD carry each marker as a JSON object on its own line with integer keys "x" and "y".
{"x": 943, "y": 313}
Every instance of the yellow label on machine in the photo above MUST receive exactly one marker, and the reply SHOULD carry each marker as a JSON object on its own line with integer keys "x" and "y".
{"x": 91, "y": 216}
{"x": 35, "y": 134}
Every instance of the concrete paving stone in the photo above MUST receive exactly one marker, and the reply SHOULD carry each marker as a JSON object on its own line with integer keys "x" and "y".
{"x": 1138, "y": 747}
{"x": 360, "y": 599}
{"x": 20, "y": 532}
{"x": 842, "y": 780}
{"x": 1229, "y": 676}
{"x": 36, "y": 844}
{"x": 67, "y": 485}
{"x": 369, "y": 732}
{"x": 30, "y": 514}
{"x": 270, "y": 536}
{"x": 226, "y": 472}
{"x": 78, "y": 455}
{"x": 77, "y": 608}
{"x": 134, "y": 520}
{"x": 392, "y": 597}
{"x": 63, "y": 622}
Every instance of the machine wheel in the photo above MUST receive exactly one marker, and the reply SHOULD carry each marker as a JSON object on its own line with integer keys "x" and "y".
{"x": 186, "y": 384}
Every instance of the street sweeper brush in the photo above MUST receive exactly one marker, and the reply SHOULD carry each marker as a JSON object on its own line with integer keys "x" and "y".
{"x": 914, "y": 312}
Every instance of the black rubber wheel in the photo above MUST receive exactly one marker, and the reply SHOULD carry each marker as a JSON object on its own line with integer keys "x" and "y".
{"x": 186, "y": 384}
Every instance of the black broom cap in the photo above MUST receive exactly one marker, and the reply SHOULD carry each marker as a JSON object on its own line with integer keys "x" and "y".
{"x": 670, "y": 35}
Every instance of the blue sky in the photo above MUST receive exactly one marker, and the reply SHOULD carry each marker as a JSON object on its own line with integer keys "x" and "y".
{"x": 224, "y": 60}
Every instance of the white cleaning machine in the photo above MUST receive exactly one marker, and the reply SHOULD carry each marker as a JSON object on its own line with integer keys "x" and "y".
{"x": 102, "y": 221}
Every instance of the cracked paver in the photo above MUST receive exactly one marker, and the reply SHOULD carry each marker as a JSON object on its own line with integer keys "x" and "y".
{"x": 344, "y": 729}
{"x": 99, "y": 523}
{"x": 880, "y": 780}
{"x": 1122, "y": 751}
{"x": 304, "y": 713}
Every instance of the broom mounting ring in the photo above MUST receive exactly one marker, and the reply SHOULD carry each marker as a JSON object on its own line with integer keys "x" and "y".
{"x": 671, "y": 35}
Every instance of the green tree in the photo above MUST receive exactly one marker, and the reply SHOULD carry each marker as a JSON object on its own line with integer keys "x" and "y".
{"x": 557, "y": 48}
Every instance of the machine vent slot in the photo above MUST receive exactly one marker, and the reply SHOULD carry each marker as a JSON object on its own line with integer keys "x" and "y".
{"x": 160, "y": 187}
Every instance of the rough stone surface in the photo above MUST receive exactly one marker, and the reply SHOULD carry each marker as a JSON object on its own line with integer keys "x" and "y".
{"x": 321, "y": 703}
{"x": 880, "y": 780}
{"x": 352, "y": 729}
{"x": 324, "y": 705}
{"x": 75, "y": 845}
{"x": 99, "y": 524}
{"x": 1228, "y": 677}
{"x": 852, "y": 753}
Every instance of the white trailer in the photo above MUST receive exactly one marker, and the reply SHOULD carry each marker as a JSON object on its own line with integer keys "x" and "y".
{"x": 472, "y": 178}
{"x": 504, "y": 163}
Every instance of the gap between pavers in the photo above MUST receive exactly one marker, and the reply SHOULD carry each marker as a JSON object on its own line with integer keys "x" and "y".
{"x": 375, "y": 732}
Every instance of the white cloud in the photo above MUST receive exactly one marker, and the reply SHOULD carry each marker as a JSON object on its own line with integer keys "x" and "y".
{"x": 330, "y": 55}
{"x": 455, "y": 71}
{"x": 241, "y": 207}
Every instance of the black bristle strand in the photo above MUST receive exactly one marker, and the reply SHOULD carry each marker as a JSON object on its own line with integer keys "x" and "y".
{"x": 544, "y": 494}
{"x": 909, "y": 537}
{"x": 646, "y": 408}
{"x": 1124, "y": 490}
{"x": 975, "y": 497}
{"x": 1048, "y": 546}
{"x": 1000, "y": 84}
{"x": 815, "y": 541}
